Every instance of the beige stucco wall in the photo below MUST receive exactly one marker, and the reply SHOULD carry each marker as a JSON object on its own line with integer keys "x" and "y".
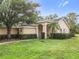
{"x": 63, "y": 26}
{"x": 44, "y": 24}
{"x": 4, "y": 31}
{"x": 25, "y": 30}
{"x": 13, "y": 31}
{"x": 29, "y": 30}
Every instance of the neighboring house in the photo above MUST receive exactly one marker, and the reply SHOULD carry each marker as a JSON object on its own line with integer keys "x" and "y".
{"x": 41, "y": 29}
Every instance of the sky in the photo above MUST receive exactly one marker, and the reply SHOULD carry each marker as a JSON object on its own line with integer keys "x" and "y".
{"x": 60, "y": 7}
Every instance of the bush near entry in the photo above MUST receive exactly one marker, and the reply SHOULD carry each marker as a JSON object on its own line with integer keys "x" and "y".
{"x": 61, "y": 35}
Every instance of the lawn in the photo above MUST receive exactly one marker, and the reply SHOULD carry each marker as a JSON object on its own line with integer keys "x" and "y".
{"x": 41, "y": 49}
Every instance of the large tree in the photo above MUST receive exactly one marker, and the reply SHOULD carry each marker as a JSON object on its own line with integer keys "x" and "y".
{"x": 1, "y": 1}
{"x": 14, "y": 11}
{"x": 71, "y": 18}
{"x": 52, "y": 17}
{"x": 77, "y": 28}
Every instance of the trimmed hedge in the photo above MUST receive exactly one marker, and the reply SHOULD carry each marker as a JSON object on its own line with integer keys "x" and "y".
{"x": 28, "y": 36}
{"x": 61, "y": 35}
{"x": 5, "y": 37}
{"x": 33, "y": 36}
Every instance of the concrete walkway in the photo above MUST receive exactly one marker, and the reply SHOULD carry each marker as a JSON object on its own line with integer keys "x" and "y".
{"x": 15, "y": 41}
{"x": 7, "y": 42}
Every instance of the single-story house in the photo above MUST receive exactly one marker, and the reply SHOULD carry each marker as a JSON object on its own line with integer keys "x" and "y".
{"x": 40, "y": 29}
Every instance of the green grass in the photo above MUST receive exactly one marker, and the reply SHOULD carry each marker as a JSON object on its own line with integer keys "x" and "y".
{"x": 41, "y": 49}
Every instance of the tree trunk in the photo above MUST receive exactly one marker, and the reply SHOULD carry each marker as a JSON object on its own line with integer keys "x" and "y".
{"x": 8, "y": 33}
{"x": 52, "y": 32}
{"x": 18, "y": 33}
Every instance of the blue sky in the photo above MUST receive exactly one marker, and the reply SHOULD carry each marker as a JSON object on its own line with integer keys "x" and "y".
{"x": 60, "y": 7}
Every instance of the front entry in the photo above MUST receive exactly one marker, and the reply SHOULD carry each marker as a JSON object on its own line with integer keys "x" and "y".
{"x": 43, "y": 31}
{"x": 40, "y": 31}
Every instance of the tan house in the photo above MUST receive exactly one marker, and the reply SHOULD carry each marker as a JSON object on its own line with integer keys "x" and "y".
{"x": 40, "y": 29}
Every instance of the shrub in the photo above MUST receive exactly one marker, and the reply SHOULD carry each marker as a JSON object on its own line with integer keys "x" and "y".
{"x": 61, "y": 35}
{"x": 29, "y": 36}
{"x": 15, "y": 36}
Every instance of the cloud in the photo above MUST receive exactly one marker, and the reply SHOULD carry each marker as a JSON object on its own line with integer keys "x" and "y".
{"x": 35, "y": 0}
{"x": 63, "y": 3}
{"x": 60, "y": 5}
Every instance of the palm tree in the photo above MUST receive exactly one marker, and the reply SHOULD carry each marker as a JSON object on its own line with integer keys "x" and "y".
{"x": 54, "y": 26}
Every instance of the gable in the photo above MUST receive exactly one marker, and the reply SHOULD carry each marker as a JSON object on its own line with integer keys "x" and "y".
{"x": 63, "y": 26}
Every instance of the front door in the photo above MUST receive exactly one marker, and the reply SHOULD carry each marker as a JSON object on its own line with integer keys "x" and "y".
{"x": 40, "y": 31}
